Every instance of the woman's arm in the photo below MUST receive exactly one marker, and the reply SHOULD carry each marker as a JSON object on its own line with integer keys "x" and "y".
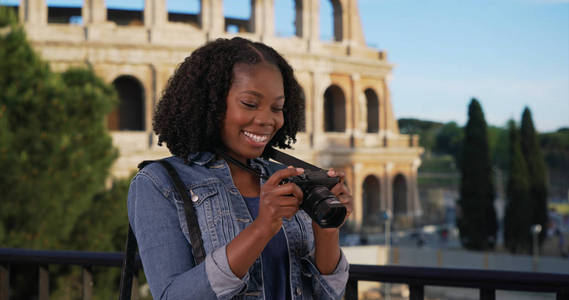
{"x": 330, "y": 265}
{"x": 276, "y": 201}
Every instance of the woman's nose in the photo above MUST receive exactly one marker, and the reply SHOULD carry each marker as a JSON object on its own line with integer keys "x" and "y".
{"x": 265, "y": 117}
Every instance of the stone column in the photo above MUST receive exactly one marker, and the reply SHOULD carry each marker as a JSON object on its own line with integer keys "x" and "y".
{"x": 94, "y": 12}
{"x": 312, "y": 12}
{"x": 155, "y": 13}
{"x": 211, "y": 18}
{"x": 33, "y": 12}
{"x": 352, "y": 27}
{"x": 382, "y": 99}
{"x": 414, "y": 189}
{"x": 263, "y": 18}
{"x": 356, "y": 107}
{"x": 357, "y": 191}
{"x": 388, "y": 186}
{"x": 321, "y": 82}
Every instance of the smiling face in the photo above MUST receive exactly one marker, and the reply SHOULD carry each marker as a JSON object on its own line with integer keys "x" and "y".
{"x": 254, "y": 109}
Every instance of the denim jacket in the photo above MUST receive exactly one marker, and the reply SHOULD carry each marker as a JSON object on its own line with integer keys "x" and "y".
{"x": 157, "y": 217}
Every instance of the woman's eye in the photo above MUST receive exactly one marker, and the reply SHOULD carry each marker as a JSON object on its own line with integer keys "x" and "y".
{"x": 249, "y": 105}
{"x": 277, "y": 109}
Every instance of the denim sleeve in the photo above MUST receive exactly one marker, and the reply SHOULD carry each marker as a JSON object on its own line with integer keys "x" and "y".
{"x": 330, "y": 286}
{"x": 166, "y": 254}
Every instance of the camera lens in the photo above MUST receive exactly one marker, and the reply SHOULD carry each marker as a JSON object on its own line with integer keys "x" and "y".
{"x": 324, "y": 208}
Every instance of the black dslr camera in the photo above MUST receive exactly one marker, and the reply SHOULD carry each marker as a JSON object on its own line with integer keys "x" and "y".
{"x": 319, "y": 202}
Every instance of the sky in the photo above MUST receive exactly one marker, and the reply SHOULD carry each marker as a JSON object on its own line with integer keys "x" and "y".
{"x": 508, "y": 54}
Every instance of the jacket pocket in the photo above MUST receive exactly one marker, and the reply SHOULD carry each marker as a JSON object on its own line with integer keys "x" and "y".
{"x": 210, "y": 210}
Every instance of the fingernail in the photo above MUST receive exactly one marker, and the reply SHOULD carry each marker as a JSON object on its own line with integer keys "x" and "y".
{"x": 300, "y": 170}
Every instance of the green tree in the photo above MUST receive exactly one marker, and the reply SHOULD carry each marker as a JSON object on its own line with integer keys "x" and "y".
{"x": 449, "y": 140}
{"x": 555, "y": 146}
{"x": 55, "y": 156}
{"x": 101, "y": 228}
{"x": 536, "y": 167}
{"x": 55, "y": 152}
{"x": 426, "y": 130}
{"x": 477, "y": 217}
{"x": 516, "y": 220}
{"x": 499, "y": 151}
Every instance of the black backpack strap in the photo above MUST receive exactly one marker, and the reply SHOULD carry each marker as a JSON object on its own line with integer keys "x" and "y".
{"x": 191, "y": 217}
{"x": 129, "y": 267}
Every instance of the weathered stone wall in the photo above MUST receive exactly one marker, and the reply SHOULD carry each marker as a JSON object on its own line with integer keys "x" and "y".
{"x": 149, "y": 51}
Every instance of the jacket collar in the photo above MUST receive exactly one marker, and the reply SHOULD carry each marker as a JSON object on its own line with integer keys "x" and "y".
{"x": 203, "y": 158}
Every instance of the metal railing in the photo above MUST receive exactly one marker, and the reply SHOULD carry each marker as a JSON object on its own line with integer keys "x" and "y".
{"x": 487, "y": 281}
{"x": 43, "y": 258}
{"x": 415, "y": 277}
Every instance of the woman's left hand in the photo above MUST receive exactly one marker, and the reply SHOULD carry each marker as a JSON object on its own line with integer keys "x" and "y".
{"x": 342, "y": 192}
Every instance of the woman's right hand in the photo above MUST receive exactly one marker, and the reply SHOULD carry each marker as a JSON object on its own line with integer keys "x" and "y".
{"x": 278, "y": 201}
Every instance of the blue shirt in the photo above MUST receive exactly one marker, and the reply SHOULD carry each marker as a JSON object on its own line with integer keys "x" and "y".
{"x": 156, "y": 214}
{"x": 274, "y": 259}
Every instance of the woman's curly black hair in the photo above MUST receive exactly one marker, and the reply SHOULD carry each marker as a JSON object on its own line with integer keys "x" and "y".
{"x": 191, "y": 112}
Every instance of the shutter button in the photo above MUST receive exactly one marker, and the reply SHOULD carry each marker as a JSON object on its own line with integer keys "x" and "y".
{"x": 298, "y": 290}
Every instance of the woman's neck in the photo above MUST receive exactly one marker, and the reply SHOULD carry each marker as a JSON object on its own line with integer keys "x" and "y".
{"x": 246, "y": 182}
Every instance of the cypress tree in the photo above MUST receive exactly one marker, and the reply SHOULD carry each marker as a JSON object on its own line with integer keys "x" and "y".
{"x": 538, "y": 179}
{"x": 55, "y": 152}
{"x": 517, "y": 223}
{"x": 477, "y": 218}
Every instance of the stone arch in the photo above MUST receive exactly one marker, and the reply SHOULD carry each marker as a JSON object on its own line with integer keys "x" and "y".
{"x": 334, "y": 109}
{"x": 69, "y": 13}
{"x": 399, "y": 196}
{"x": 371, "y": 201}
{"x": 129, "y": 114}
{"x": 131, "y": 15}
{"x": 372, "y": 109}
{"x": 288, "y": 18}
{"x": 187, "y": 11}
{"x": 239, "y": 20}
{"x": 335, "y": 6}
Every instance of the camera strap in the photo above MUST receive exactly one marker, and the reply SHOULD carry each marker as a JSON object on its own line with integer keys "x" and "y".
{"x": 276, "y": 155}
{"x": 241, "y": 165}
{"x": 290, "y": 160}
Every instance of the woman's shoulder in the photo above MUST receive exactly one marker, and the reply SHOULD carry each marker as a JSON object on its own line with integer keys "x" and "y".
{"x": 190, "y": 172}
{"x": 152, "y": 172}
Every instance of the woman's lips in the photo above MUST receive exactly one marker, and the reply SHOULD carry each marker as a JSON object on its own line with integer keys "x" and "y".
{"x": 257, "y": 138}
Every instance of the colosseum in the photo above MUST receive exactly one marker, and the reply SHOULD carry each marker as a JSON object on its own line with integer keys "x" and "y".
{"x": 350, "y": 123}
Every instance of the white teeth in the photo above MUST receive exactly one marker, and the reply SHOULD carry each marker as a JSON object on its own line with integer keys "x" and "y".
{"x": 256, "y": 138}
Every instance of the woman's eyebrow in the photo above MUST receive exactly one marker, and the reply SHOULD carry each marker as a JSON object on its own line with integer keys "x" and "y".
{"x": 254, "y": 93}
{"x": 259, "y": 95}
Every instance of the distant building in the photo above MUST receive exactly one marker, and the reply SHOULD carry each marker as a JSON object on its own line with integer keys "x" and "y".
{"x": 349, "y": 119}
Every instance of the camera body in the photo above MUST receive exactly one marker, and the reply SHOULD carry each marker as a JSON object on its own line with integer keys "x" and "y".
{"x": 319, "y": 202}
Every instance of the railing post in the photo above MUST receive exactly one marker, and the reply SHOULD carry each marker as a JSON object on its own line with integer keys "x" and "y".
{"x": 416, "y": 292}
{"x": 43, "y": 282}
{"x": 87, "y": 283}
{"x": 487, "y": 294}
{"x": 4, "y": 282}
{"x": 351, "y": 290}
{"x": 563, "y": 294}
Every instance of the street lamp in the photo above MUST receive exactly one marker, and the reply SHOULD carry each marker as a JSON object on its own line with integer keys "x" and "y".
{"x": 386, "y": 216}
{"x": 535, "y": 230}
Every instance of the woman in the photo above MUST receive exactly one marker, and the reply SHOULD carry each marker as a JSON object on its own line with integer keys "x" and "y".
{"x": 240, "y": 97}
